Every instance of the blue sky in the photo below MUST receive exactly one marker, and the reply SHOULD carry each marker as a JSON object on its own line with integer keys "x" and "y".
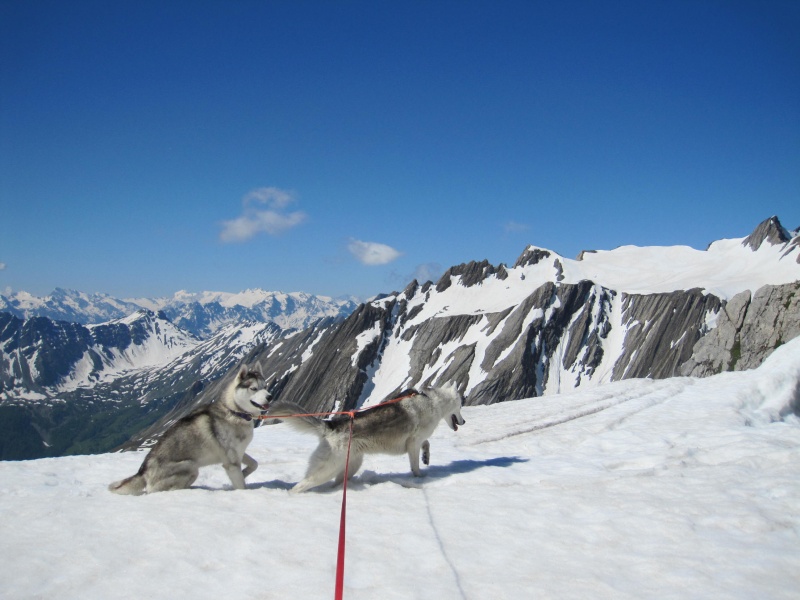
{"x": 347, "y": 147}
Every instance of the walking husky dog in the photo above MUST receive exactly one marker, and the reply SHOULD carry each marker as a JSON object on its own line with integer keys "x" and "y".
{"x": 398, "y": 426}
{"x": 218, "y": 433}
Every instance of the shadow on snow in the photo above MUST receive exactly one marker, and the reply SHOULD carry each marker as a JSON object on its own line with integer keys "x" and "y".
{"x": 368, "y": 478}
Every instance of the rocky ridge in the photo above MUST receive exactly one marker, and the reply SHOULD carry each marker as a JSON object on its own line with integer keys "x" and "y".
{"x": 537, "y": 329}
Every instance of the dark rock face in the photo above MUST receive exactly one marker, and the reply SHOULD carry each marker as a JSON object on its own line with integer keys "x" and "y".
{"x": 39, "y": 352}
{"x": 331, "y": 377}
{"x": 793, "y": 245}
{"x": 770, "y": 231}
{"x": 471, "y": 273}
{"x": 531, "y": 256}
{"x": 661, "y": 331}
{"x": 559, "y": 329}
{"x": 748, "y": 330}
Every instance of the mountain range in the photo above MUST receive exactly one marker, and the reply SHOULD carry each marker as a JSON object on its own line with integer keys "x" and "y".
{"x": 69, "y": 387}
{"x": 545, "y": 325}
{"x": 200, "y": 314}
{"x": 549, "y": 324}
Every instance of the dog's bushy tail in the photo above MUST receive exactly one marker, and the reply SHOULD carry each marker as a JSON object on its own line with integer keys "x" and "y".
{"x": 305, "y": 424}
{"x": 133, "y": 485}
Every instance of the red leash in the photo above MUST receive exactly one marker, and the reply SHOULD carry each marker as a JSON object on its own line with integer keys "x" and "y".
{"x": 339, "y": 593}
{"x": 339, "y": 590}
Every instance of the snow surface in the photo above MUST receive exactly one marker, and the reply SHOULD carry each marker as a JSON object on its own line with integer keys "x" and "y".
{"x": 677, "y": 488}
{"x": 726, "y": 268}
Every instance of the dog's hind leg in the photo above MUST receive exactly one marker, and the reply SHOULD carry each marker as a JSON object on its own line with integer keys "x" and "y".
{"x": 177, "y": 476}
{"x": 250, "y": 465}
{"x": 318, "y": 477}
{"x": 324, "y": 465}
{"x": 355, "y": 464}
{"x": 426, "y": 452}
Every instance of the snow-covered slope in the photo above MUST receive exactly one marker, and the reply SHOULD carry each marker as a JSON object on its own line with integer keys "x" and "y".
{"x": 155, "y": 342}
{"x": 41, "y": 357}
{"x": 681, "y": 488}
{"x": 726, "y": 268}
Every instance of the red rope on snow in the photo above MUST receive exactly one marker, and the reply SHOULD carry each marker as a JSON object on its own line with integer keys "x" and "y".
{"x": 339, "y": 588}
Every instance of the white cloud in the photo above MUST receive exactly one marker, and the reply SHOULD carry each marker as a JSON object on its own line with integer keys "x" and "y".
{"x": 264, "y": 211}
{"x": 423, "y": 272}
{"x": 271, "y": 196}
{"x": 427, "y": 272}
{"x": 372, "y": 253}
{"x": 513, "y": 226}
{"x": 2, "y": 266}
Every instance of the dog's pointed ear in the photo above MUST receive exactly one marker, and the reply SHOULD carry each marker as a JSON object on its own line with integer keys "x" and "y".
{"x": 243, "y": 372}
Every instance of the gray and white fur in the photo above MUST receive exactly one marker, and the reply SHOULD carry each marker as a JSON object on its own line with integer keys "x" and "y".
{"x": 400, "y": 427}
{"x": 217, "y": 433}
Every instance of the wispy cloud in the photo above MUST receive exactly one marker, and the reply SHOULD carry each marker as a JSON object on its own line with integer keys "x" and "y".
{"x": 513, "y": 226}
{"x": 423, "y": 272}
{"x": 2, "y": 266}
{"x": 427, "y": 272}
{"x": 372, "y": 253}
{"x": 264, "y": 210}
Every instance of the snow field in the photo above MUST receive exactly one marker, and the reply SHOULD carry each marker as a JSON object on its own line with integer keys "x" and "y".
{"x": 679, "y": 488}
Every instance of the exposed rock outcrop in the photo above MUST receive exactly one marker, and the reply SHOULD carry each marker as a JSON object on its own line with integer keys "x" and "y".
{"x": 747, "y": 331}
{"x": 661, "y": 330}
{"x": 770, "y": 231}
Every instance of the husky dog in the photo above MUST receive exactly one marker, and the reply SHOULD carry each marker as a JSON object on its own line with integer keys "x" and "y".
{"x": 217, "y": 433}
{"x": 398, "y": 426}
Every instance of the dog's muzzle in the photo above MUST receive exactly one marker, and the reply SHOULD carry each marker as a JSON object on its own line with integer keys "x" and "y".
{"x": 455, "y": 421}
{"x": 262, "y": 406}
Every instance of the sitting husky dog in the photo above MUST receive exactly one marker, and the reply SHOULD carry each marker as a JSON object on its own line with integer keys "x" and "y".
{"x": 397, "y": 426}
{"x": 217, "y": 433}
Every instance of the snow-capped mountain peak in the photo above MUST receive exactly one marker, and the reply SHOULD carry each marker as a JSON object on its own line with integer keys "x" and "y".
{"x": 770, "y": 231}
{"x": 201, "y": 313}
